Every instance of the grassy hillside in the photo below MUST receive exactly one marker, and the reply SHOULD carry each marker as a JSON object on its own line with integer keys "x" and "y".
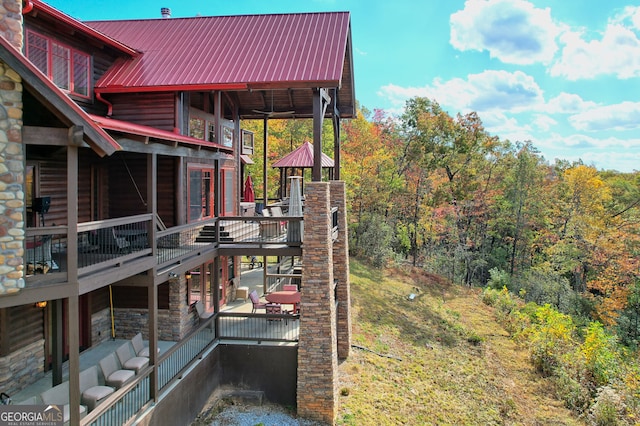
{"x": 440, "y": 358}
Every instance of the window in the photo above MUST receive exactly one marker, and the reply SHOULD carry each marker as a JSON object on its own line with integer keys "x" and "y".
{"x": 68, "y": 68}
{"x": 196, "y": 128}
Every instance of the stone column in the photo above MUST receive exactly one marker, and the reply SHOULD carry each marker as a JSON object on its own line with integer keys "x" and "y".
{"x": 11, "y": 158}
{"x": 341, "y": 269}
{"x": 317, "y": 349}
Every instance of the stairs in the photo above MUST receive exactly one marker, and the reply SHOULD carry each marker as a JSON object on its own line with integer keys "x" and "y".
{"x": 230, "y": 231}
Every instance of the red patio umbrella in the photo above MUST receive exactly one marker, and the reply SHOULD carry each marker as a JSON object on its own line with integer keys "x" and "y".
{"x": 249, "y": 195}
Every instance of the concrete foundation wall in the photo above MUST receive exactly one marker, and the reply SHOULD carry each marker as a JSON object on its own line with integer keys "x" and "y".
{"x": 271, "y": 369}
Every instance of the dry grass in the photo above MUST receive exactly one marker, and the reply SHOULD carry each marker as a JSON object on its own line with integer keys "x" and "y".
{"x": 446, "y": 359}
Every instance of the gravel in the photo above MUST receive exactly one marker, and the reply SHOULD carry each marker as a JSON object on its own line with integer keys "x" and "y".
{"x": 263, "y": 415}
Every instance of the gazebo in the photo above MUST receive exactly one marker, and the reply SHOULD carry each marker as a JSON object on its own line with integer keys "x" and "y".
{"x": 295, "y": 163}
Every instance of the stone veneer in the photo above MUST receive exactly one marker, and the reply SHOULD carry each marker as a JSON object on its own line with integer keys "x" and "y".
{"x": 317, "y": 348}
{"x": 11, "y": 158}
{"x": 341, "y": 269}
{"x": 22, "y": 368}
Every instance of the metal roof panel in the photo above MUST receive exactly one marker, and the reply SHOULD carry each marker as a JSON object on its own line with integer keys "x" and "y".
{"x": 246, "y": 49}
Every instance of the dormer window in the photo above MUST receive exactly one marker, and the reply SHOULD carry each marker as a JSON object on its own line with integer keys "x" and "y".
{"x": 67, "y": 67}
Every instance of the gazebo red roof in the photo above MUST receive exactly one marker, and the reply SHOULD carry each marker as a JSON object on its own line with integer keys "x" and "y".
{"x": 302, "y": 157}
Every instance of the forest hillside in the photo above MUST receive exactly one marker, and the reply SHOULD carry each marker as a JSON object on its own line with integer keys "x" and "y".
{"x": 442, "y": 357}
{"x": 551, "y": 249}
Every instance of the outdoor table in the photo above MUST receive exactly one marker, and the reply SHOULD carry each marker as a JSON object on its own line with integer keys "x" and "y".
{"x": 285, "y": 297}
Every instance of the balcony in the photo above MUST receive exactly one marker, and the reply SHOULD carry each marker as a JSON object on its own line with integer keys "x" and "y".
{"x": 114, "y": 249}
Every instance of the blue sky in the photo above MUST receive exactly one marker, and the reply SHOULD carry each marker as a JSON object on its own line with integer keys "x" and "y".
{"x": 564, "y": 74}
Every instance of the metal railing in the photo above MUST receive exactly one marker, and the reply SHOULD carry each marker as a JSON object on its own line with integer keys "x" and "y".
{"x": 123, "y": 405}
{"x": 258, "y": 327}
{"x": 45, "y": 250}
{"x": 173, "y": 363}
{"x": 107, "y": 242}
{"x": 178, "y": 241}
{"x": 128, "y": 401}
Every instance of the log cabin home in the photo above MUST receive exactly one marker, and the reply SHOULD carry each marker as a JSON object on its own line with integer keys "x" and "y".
{"x": 122, "y": 163}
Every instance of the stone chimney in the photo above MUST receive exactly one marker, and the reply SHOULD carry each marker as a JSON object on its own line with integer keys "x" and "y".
{"x": 12, "y": 204}
{"x": 165, "y": 12}
{"x": 11, "y": 22}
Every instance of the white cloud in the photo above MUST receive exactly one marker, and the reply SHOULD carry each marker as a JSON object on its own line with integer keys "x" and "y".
{"x": 568, "y": 103}
{"x": 513, "y": 31}
{"x": 620, "y": 117}
{"x": 483, "y": 92}
{"x": 616, "y": 53}
{"x": 544, "y": 122}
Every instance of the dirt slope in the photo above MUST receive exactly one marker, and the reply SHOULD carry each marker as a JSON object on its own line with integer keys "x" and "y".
{"x": 439, "y": 359}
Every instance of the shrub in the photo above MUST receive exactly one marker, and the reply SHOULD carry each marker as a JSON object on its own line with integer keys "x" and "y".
{"x": 499, "y": 279}
{"x": 551, "y": 336}
{"x": 601, "y": 354}
{"x": 572, "y": 380}
{"x": 490, "y": 296}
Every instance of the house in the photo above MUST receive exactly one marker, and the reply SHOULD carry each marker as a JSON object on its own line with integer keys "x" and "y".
{"x": 121, "y": 170}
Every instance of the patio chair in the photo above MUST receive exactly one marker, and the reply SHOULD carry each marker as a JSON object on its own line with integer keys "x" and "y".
{"x": 113, "y": 374}
{"x": 255, "y": 300}
{"x": 139, "y": 347}
{"x": 91, "y": 391}
{"x": 275, "y": 309}
{"x": 111, "y": 243}
{"x": 129, "y": 360}
{"x": 290, "y": 287}
{"x": 202, "y": 314}
{"x": 59, "y": 395}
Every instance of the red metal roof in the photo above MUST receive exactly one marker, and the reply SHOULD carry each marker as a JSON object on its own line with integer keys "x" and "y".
{"x": 302, "y": 157}
{"x": 62, "y": 18}
{"x": 152, "y": 132}
{"x": 229, "y": 52}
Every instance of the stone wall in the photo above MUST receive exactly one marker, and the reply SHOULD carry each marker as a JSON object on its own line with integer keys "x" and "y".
{"x": 100, "y": 326}
{"x": 11, "y": 158}
{"x": 22, "y": 367}
{"x": 341, "y": 269}
{"x": 317, "y": 348}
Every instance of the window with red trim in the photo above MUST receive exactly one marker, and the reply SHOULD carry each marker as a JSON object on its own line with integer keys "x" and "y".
{"x": 68, "y": 68}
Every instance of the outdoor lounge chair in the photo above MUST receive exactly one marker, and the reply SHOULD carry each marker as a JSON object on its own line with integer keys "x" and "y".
{"x": 109, "y": 242}
{"x": 59, "y": 395}
{"x": 290, "y": 287}
{"x": 129, "y": 360}
{"x": 91, "y": 391}
{"x": 113, "y": 375}
{"x": 139, "y": 347}
{"x": 202, "y": 314}
{"x": 255, "y": 300}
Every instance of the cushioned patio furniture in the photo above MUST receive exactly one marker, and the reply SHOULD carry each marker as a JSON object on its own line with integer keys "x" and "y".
{"x": 113, "y": 374}
{"x": 275, "y": 309}
{"x": 289, "y": 287}
{"x": 91, "y": 391}
{"x": 59, "y": 395}
{"x": 138, "y": 345}
{"x": 255, "y": 300}
{"x": 129, "y": 360}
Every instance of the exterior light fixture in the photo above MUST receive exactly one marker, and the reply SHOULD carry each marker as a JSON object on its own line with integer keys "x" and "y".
{"x": 187, "y": 275}
{"x": 42, "y": 304}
